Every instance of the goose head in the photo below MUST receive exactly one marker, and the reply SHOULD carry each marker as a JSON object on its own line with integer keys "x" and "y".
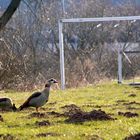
{"x": 50, "y": 82}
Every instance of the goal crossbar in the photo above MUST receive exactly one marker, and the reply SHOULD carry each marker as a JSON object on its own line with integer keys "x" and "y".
{"x": 99, "y": 19}
{"x": 82, "y": 20}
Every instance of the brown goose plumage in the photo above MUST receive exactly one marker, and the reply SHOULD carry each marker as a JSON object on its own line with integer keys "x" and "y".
{"x": 6, "y": 103}
{"x": 38, "y": 99}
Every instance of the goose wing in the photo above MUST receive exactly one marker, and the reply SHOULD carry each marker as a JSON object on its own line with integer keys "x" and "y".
{"x": 34, "y": 95}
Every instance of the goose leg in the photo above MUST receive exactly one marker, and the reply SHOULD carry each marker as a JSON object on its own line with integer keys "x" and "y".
{"x": 37, "y": 109}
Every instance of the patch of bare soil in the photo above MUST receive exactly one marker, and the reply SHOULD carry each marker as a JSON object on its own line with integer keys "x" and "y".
{"x": 38, "y": 115}
{"x": 137, "y": 87}
{"x": 128, "y": 114}
{"x": 6, "y": 110}
{"x": 99, "y": 106}
{"x": 29, "y": 109}
{"x": 90, "y": 105}
{"x": 110, "y": 105}
{"x": 121, "y": 101}
{"x": 47, "y": 134}
{"x": 131, "y": 103}
{"x": 52, "y": 103}
{"x": 56, "y": 114}
{"x": 7, "y": 137}
{"x": 13, "y": 126}
{"x": 133, "y": 137}
{"x": 71, "y": 106}
{"x": 132, "y": 95}
{"x": 92, "y": 137}
{"x": 46, "y": 109}
{"x": 76, "y": 115}
{"x": 71, "y": 110}
{"x": 132, "y": 108}
{"x": 43, "y": 123}
{"x": 98, "y": 115}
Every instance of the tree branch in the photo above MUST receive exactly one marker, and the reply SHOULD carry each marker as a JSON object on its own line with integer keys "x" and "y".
{"x": 9, "y": 12}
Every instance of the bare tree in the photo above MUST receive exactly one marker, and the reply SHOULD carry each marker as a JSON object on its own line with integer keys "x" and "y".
{"x": 30, "y": 53}
{"x": 9, "y": 12}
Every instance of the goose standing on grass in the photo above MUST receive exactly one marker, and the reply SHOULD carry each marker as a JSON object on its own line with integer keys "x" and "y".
{"x": 6, "y": 103}
{"x": 39, "y": 99}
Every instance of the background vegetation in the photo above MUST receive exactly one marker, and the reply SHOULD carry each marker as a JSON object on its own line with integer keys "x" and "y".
{"x": 29, "y": 52}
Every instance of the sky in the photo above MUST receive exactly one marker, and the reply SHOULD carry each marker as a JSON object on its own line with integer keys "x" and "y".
{"x": 4, "y": 3}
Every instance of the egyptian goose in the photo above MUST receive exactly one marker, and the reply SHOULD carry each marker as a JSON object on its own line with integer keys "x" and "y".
{"x": 6, "y": 103}
{"x": 39, "y": 99}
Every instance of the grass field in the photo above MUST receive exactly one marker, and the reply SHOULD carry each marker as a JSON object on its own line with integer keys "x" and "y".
{"x": 109, "y": 97}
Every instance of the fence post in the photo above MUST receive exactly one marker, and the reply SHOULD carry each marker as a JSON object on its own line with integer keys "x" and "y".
{"x": 119, "y": 65}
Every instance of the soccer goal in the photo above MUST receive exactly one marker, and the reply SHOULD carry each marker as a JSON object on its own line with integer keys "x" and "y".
{"x": 89, "y": 20}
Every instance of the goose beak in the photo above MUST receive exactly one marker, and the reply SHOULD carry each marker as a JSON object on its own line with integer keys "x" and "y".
{"x": 55, "y": 81}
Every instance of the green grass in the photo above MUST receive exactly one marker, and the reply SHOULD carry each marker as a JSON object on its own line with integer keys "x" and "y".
{"x": 22, "y": 127}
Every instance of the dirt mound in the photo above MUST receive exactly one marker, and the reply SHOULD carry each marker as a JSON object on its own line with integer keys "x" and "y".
{"x": 7, "y": 137}
{"x": 132, "y": 95}
{"x": 81, "y": 116}
{"x": 38, "y": 115}
{"x": 133, "y": 137}
{"x": 128, "y": 114}
{"x": 47, "y": 134}
{"x": 43, "y": 123}
{"x": 76, "y": 115}
{"x": 99, "y": 115}
{"x": 71, "y": 110}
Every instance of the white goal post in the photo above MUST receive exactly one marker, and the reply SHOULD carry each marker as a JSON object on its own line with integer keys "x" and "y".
{"x": 82, "y": 20}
